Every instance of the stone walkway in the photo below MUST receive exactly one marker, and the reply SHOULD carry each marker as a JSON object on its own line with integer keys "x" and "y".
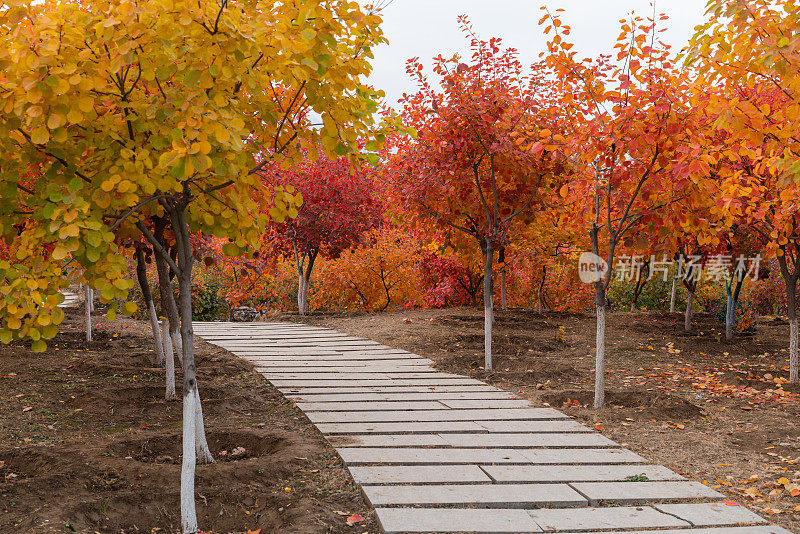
{"x": 439, "y": 452}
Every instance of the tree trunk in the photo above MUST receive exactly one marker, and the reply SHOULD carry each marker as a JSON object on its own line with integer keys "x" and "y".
{"x": 541, "y": 289}
{"x": 600, "y": 334}
{"x": 88, "y": 309}
{"x": 302, "y": 296}
{"x": 304, "y": 278}
{"x": 503, "y": 289}
{"x": 673, "y": 294}
{"x": 192, "y": 414}
{"x": 91, "y": 300}
{"x": 687, "y": 322}
{"x": 168, "y": 305}
{"x": 488, "y": 318}
{"x": 730, "y": 316}
{"x": 141, "y": 276}
{"x": 790, "y": 281}
{"x": 169, "y": 394}
{"x": 600, "y": 342}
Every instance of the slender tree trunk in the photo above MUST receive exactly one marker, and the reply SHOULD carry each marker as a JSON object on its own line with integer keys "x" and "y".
{"x": 600, "y": 340}
{"x": 673, "y": 294}
{"x": 303, "y": 276}
{"x": 169, "y": 357}
{"x": 790, "y": 281}
{"x": 600, "y": 334}
{"x": 731, "y": 298}
{"x": 730, "y": 316}
{"x": 503, "y": 289}
{"x": 687, "y": 320}
{"x": 141, "y": 276}
{"x": 541, "y": 289}
{"x": 88, "y": 310}
{"x": 488, "y": 318}
{"x": 302, "y": 297}
{"x": 191, "y": 398}
{"x": 91, "y": 300}
{"x": 168, "y": 305}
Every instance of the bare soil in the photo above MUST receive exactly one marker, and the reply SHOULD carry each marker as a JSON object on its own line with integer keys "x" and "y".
{"x": 711, "y": 409}
{"x": 87, "y": 444}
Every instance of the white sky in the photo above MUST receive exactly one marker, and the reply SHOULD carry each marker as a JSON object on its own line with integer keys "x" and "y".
{"x": 426, "y": 28}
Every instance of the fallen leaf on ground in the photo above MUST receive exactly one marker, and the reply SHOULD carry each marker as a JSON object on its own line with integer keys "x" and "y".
{"x": 353, "y": 519}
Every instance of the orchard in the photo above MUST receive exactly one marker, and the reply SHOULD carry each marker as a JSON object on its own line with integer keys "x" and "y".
{"x": 615, "y": 236}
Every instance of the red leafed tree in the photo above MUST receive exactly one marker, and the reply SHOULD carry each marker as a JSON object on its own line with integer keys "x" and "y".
{"x": 338, "y": 207}
{"x": 472, "y": 166}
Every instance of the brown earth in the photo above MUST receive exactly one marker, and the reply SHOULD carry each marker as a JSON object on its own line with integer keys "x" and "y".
{"x": 87, "y": 444}
{"x": 704, "y": 406}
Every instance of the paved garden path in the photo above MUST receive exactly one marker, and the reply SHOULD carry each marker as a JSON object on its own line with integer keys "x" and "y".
{"x": 439, "y": 452}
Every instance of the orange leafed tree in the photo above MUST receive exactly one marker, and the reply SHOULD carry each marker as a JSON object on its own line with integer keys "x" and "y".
{"x": 622, "y": 122}
{"x": 750, "y": 53}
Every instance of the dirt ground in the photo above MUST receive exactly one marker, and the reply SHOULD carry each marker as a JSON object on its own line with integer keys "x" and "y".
{"x": 87, "y": 444}
{"x": 713, "y": 410}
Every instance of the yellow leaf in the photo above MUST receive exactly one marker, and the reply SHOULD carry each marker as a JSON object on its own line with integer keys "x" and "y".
{"x": 55, "y": 120}
{"x": 86, "y": 104}
{"x": 40, "y": 135}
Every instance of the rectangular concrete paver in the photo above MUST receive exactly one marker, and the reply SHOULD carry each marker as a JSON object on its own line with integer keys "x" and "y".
{"x": 368, "y": 406}
{"x": 418, "y": 474}
{"x": 387, "y": 440}
{"x": 581, "y": 456}
{"x": 418, "y": 456}
{"x": 529, "y": 440}
{"x": 568, "y": 425}
{"x": 418, "y": 396}
{"x": 641, "y": 492}
{"x": 399, "y": 428}
{"x": 630, "y": 517}
{"x": 711, "y": 514}
{"x": 577, "y": 473}
{"x": 487, "y": 496}
{"x": 509, "y": 403}
{"x": 400, "y": 520}
{"x": 336, "y": 382}
{"x": 437, "y": 415}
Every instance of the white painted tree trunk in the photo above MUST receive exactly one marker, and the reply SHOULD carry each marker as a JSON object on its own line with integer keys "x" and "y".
{"x": 503, "y": 289}
{"x": 159, "y": 355}
{"x": 600, "y": 358}
{"x": 488, "y": 318}
{"x": 202, "y": 450}
{"x": 730, "y": 316}
{"x": 687, "y": 322}
{"x": 177, "y": 342}
{"x": 188, "y": 511}
{"x": 169, "y": 357}
{"x": 673, "y": 294}
{"x": 302, "y": 294}
{"x": 88, "y": 309}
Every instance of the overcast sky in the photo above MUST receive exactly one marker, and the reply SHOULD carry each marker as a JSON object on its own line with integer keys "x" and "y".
{"x": 426, "y": 28}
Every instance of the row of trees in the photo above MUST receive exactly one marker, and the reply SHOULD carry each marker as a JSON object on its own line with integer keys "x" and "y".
{"x": 182, "y": 130}
{"x": 633, "y": 153}
{"x": 127, "y": 128}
